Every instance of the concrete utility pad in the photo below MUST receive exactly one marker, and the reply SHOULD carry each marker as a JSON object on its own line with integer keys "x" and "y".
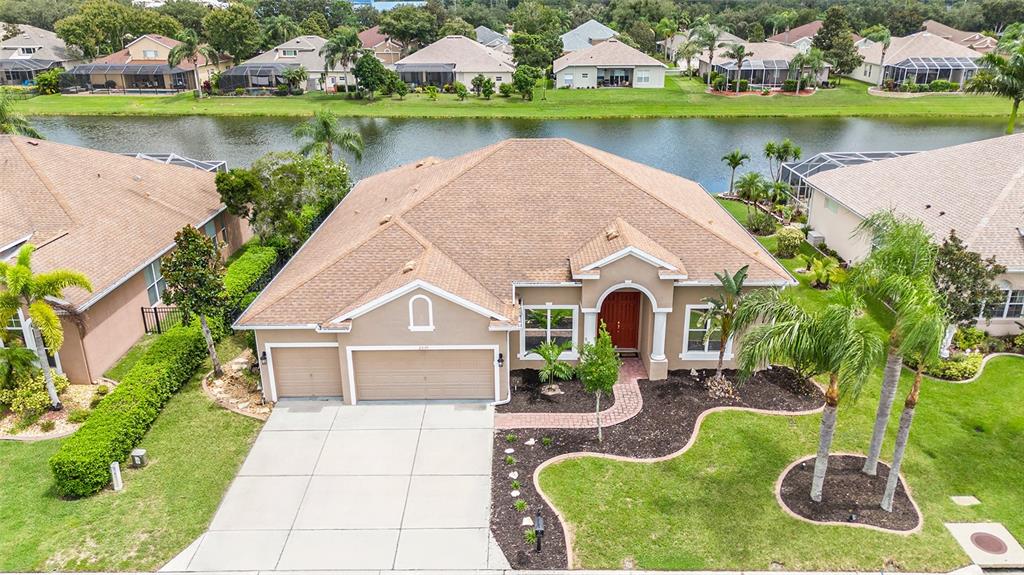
{"x": 965, "y": 500}
{"x": 989, "y": 545}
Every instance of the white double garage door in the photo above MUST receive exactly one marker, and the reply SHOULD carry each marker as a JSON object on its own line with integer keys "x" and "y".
{"x": 378, "y": 373}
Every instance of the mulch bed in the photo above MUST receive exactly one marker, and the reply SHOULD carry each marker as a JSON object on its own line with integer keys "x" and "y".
{"x": 527, "y": 398}
{"x": 849, "y": 496}
{"x": 671, "y": 409}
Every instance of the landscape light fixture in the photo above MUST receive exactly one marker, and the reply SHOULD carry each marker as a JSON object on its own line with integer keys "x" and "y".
{"x": 538, "y": 529}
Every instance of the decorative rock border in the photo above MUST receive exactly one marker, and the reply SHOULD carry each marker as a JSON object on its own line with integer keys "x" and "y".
{"x": 567, "y": 528}
{"x": 209, "y": 394}
{"x": 906, "y": 486}
{"x": 65, "y": 433}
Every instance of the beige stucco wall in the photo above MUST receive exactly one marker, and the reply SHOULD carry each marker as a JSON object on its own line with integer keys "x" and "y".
{"x": 1005, "y": 326}
{"x": 577, "y": 79}
{"x": 657, "y": 77}
{"x": 498, "y": 78}
{"x": 839, "y": 226}
{"x": 867, "y": 72}
{"x": 628, "y": 271}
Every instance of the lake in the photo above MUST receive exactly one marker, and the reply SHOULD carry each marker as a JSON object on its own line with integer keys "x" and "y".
{"x": 691, "y": 148}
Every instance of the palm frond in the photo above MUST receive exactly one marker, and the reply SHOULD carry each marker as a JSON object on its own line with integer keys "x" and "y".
{"x": 52, "y": 284}
{"x": 48, "y": 324}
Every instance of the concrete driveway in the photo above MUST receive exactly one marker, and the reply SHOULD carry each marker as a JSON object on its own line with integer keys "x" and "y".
{"x": 368, "y": 487}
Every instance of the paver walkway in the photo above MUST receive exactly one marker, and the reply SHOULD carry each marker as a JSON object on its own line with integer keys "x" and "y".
{"x": 628, "y": 402}
{"x": 368, "y": 487}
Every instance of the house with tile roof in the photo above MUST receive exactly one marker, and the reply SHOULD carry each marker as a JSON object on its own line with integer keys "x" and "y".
{"x": 435, "y": 279}
{"x": 455, "y": 59}
{"x": 976, "y": 189}
{"x": 919, "y": 58}
{"x": 111, "y": 217}
{"x": 767, "y": 66}
{"x": 802, "y": 36}
{"x": 266, "y": 71}
{"x": 585, "y": 35}
{"x": 142, "y": 67}
{"x": 974, "y": 40}
{"x": 610, "y": 64}
{"x": 28, "y": 52}
{"x": 386, "y": 49}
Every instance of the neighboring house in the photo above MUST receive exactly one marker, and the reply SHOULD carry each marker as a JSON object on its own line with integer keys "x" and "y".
{"x": 920, "y": 58}
{"x": 112, "y": 218}
{"x": 974, "y": 40}
{"x": 976, "y": 189}
{"x": 802, "y": 36}
{"x": 386, "y": 50}
{"x": 434, "y": 279}
{"x": 586, "y": 35}
{"x": 31, "y": 51}
{"x": 492, "y": 39}
{"x": 610, "y": 64}
{"x": 677, "y": 41}
{"x": 455, "y": 59}
{"x": 265, "y": 71}
{"x": 142, "y": 67}
{"x": 768, "y": 65}
{"x": 796, "y": 173}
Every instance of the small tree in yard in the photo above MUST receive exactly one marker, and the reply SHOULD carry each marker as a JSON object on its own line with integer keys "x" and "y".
{"x": 720, "y": 317}
{"x": 478, "y": 83}
{"x": 401, "y": 88}
{"x": 194, "y": 276}
{"x": 554, "y": 369}
{"x": 371, "y": 74}
{"x": 487, "y": 88}
{"x": 598, "y": 370}
{"x": 524, "y": 80}
{"x": 964, "y": 279}
{"x": 460, "y": 91}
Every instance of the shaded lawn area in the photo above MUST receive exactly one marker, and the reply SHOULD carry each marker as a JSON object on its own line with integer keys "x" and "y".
{"x": 195, "y": 449}
{"x": 714, "y": 506}
{"x": 680, "y": 98}
{"x": 128, "y": 360}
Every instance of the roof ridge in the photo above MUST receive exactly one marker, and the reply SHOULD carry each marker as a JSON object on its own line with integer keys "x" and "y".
{"x": 996, "y": 205}
{"x": 57, "y": 196}
{"x": 715, "y": 233}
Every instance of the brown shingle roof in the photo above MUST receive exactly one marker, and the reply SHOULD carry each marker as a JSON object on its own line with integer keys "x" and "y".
{"x": 976, "y": 189}
{"x": 973, "y": 40}
{"x": 617, "y": 237}
{"x": 513, "y": 211}
{"x": 808, "y": 30}
{"x": 919, "y": 45}
{"x": 99, "y": 213}
{"x": 609, "y": 53}
{"x": 467, "y": 56}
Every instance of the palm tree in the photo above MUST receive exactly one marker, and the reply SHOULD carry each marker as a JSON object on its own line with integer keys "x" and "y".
{"x": 342, "y": 48}
{"x": 31, "y": 294}
{"x": 779, "y": 192}
{"x": 751, "y": 188}
{"x": 707, "y": 37}
{"x": 812, "y": 60}
{"x": 780, "y": 152}
{"x": 771, "y": 152}
{"x": 687, "y": 51}
{"x": 295, "y": 76}
{"x": 1004, "y": 77}
{"x": 739, "y": 53}
{"x": 721, "y": 313}
{"x": 666, "y": 28}
{"x": 324, "y": 132}
{"x": 880, "y": 34}
{"x": 279, "y": 29}
{"x": 734, "y": 159}
{"x": 922, "y": 342}
{"x": 192, "y": 50}
{"x": 898, "y": 268}
{"x": 821, "y": 342}
{"x": 784, "y": 19}
{"x": 12, "y": 122}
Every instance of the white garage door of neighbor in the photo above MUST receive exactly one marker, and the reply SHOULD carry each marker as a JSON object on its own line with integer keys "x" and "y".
{"x": 424, "y": 374}
{"x": 307, "y": 372}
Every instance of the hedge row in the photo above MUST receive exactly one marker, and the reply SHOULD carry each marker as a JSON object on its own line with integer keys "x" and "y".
{"x": 244, "y": 272}
{"x": 82, "y": 464}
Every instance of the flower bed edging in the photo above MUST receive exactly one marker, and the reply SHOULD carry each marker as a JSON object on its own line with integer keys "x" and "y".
{"x": 981, "y": 369}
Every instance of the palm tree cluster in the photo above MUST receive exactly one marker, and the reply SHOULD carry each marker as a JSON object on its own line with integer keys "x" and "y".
{"x": 343, "y": 48}
{"x": 779, "y": 153}
{"x": 1004, "y": 75}
{"x": 323, "y": 134}
{"x": 812, "y": 61}
{"x": 191, "y": 50}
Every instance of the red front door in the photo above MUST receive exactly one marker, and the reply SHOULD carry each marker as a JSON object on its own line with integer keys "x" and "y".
{"x": 621, "y": 314}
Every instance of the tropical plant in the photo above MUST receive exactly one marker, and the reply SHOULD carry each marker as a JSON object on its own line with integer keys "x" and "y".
{"x": 751, "y": 188}
{"x": 294, "y": 76}
{"x": 278, "y": 29}
{"x": 432, "y": 92}
{"x": 191, "y": 49}
{"x": 323, "y": 133}
{"x": 897, "y": 270}
{"x": 598, "y": 370}
{"x": 1003, "y": 77}
{"x": 665, "y": 29}
{"x": 342, "y": 48}
{"x": 880, "y": 34}
{"x": 784, "y": 19}
{"x": 34, "y": 294}
{"x": 735, "y": 159}
{"x": 687, "y": 50}
{"x": 721, "y": 314}
{"x": 780, "y": 153}
{"x": 16, "y": 363}
{"x": 788, "y": 240}
{"x": 812, "y": 60}
{"x": 12, "y": 122}
{"x": 824, "y": 272}
{"x": 707, "y": 37}
{"x": 554, "y": 369}
{"x": 827, "y": 341}
{"x": 740, "y": 54}
{"x": 964, "y": 279}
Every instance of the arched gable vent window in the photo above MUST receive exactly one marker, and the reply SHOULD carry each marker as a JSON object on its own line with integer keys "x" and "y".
{"x": 421, "y": 313}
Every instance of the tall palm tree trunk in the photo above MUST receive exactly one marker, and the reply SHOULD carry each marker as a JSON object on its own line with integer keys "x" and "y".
{"x": 44, "y": 363}
{"x": 732, "y": 180}
{"x": 906, "y": 419}
{"x": 211, "y": 347}
{"x": 597, "y": 414}
{"x": 721, "y": 356}
{"x": 827, "y": 431}
{"x": 890, "y": 381}
{"x": 1013, "y": 116}
{"x": 881, "y": 73}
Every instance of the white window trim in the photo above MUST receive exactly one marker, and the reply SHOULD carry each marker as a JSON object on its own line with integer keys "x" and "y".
{"x": 570, "y": 354}
{"x": 156, "y": 281}
{"x": 412, "y": 315}
{"x": 686, "y": 338}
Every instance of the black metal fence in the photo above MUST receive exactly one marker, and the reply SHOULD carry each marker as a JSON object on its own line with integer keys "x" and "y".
{"x": 161, "y": 319}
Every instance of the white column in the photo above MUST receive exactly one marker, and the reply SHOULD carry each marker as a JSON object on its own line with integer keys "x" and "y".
{"x": 658, "y": 342}
{"x": 589, "y": 326}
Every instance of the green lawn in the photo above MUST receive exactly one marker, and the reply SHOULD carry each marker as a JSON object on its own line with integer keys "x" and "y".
{"x": 195, "y": 449}
{"x": 128, "y": 360}
{"x": 714, "y": 507}
{"x": 681, "y": 97}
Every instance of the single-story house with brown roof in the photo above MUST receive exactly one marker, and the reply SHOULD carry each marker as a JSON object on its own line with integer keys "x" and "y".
{"x": 111, "y": 217}
{"x": 435, "y": 279}
{"x": 455, "y": 59}
{"x": 974, "y": 40}
{"x": 768, "y": 65}
{"x": 610, "y": 64}
{"x": 919, "y": 58}
{"x": 976, "y": 189}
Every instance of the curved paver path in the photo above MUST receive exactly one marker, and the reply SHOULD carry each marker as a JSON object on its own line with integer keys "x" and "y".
{"x": 628, "y": 403}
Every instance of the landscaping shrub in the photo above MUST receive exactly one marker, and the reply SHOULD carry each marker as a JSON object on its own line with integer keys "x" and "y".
{"x": 48, "y": 82}
{"x": 995, "y": 344}
{"x": 760, "y": 223}
{"x": 1018, "y": 342}
{"x": 789, "y": 85}
{"x": 718, "y": 83}
{"x": 958, "y": 367}
{"x": 243, "y": 273}
{"x": 943, "y": 86}
{"x": 78, "y": 415}
{"x": 744, "y": 85}
{"x": 81, "y": 466}
{"x": 506, "y": 90}
{"x": 239, "y": 91}
{"x": 28, "y": 397}
{"x": 789, "y": 240}
{"x": 47, "y": 426}
{"x": 968, "y": 338}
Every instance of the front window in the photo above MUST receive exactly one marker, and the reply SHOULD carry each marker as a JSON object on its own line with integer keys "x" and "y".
{"x": 643, "y": 77}
{"x": 549, "y": 323}
{"x": 1011, "y": 306}
{"x": 699, "y": 339}
{"x": 149, "y": 54}
{"x": 155, "y": 284}
{"x": 28, "y": 50}
{"x": 289, "y": 53}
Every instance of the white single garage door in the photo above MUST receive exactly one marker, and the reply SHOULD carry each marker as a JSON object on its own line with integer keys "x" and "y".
{"x": 307, "y": 372}
{"x": 424, "y": 374}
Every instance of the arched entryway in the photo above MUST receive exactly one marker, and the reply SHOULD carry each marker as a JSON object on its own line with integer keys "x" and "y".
{"x": 620, "y": 313}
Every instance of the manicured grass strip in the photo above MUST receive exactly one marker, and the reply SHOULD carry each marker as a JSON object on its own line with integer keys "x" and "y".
{"x": 195, "y": 449}
{"x": 680, "y": 98}
{"x": 130, "y": 358}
